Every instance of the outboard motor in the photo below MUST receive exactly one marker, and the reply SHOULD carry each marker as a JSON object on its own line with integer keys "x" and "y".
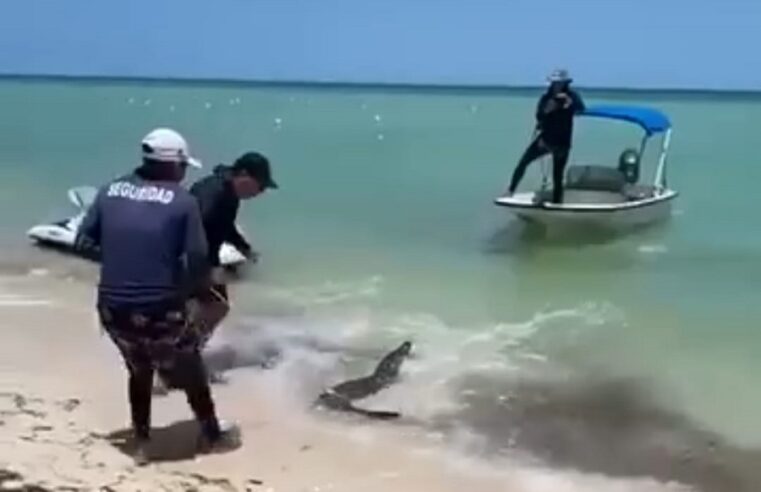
{"x": 628, "y": 164}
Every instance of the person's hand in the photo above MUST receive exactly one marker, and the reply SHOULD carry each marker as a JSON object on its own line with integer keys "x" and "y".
{"x": 565, "y": 100}
{"x": 251, "y": 255}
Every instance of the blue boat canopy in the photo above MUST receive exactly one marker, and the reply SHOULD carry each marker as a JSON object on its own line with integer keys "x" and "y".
{"x": 650, "y": 120}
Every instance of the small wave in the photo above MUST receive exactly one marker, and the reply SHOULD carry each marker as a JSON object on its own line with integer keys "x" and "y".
{"x": 329, "y": 293}
{"x": 488, "y": 395}
{"x": 324, "y": 346}
{"x": 520, "y": 474}
{"x": 652, "y": 249}
{"x": 12, "y": 300}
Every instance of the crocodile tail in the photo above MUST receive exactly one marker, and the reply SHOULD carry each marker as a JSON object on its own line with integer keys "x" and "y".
{"x": 375, "y": 414}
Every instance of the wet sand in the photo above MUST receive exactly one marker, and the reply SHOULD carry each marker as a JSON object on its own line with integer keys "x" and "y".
{"x": 64, "y": 417}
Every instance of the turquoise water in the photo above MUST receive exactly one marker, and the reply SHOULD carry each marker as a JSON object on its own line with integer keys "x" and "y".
{"x": 386, "y": 209}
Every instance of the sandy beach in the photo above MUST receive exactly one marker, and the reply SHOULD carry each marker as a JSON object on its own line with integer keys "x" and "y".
{"x": 64, "y": 416}
{"x": 64, "y": 420}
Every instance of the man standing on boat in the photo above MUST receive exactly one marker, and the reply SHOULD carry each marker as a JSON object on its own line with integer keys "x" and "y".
{"x": 553, "y": 133}
{"x": 218, "y": 196}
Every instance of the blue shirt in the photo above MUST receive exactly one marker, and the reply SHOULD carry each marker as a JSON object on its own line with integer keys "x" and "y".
{"x": 151, "y": 241}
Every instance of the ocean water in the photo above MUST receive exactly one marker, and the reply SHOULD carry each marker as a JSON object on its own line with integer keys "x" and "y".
{"x": 630, "y": 356}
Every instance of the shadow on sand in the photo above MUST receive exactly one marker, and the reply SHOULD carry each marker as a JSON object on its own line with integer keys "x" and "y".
{"x": 175, "y": 442}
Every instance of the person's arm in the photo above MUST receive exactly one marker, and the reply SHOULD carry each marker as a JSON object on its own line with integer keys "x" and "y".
{"x": 577, "y": 103}
{"x": 88, "y": 234}
{"x": 228, "y": 213}
{"x": 206, "y": 198}
{"x": 235, "y": 238}
{"x": 213, "y": 207}
{"x": 544, "y": 106}
{"x": 195, "y": 249}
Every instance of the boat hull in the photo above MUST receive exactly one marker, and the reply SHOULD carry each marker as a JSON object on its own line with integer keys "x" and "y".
{"x": 608, "y": 215}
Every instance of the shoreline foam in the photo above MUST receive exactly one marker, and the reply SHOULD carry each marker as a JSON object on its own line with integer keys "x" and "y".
{"x": 63, "y": 408}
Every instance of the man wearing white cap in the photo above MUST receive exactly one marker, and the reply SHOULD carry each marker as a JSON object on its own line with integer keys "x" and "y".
{"x": 167, "y": 146}
{"x": 554, "y": 131}
{"x": 153, "y": 257}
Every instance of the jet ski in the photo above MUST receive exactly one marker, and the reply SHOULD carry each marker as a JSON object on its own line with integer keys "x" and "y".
{"x": 62, "y": 234}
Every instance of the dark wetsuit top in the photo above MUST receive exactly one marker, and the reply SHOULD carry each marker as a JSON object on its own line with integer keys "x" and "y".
{"x": 556, "y": 123}
{"x": 219, "y": 209}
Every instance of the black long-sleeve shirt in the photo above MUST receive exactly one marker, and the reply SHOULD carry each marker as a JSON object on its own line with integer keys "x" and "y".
{"x": 555, "y": 118}
{"x": 219, "y": 209}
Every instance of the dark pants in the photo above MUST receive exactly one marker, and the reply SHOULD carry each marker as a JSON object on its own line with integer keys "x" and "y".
{"x": 537, "y": 149}
{"x": 155, "y": 337}
{"x": 210, "y": 308}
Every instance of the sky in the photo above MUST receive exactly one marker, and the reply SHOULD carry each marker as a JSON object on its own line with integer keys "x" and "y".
{"x": 688, "y": 44}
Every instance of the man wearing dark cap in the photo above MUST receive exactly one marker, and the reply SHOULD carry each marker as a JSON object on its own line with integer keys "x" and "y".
{"x": 219, "y": 196}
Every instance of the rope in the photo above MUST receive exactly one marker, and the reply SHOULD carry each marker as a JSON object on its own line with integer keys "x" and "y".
{"x": 219, "y": 297}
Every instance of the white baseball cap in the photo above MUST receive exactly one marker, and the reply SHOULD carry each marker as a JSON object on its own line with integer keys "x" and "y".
{"x": 559, "y": 75}
{"x": 166, "y": 145}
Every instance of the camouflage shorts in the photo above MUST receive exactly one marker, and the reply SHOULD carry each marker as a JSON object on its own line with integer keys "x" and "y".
{"x": 149, "y": 337}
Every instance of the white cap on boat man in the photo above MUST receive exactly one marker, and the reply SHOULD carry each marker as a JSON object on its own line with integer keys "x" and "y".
{"x": 559, "y": 75}
{"x": 167, "y": 145}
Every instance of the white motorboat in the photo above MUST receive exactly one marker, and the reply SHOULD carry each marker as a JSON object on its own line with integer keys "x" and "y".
{"x": 606, "y": 197}
{"x": 62, "y": 233}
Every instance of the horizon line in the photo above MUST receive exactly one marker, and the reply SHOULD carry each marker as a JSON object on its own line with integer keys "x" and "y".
{"x": 394, "y": 86}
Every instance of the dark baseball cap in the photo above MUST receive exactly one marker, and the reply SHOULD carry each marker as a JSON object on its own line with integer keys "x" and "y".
{"x": 257, "y": 166}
